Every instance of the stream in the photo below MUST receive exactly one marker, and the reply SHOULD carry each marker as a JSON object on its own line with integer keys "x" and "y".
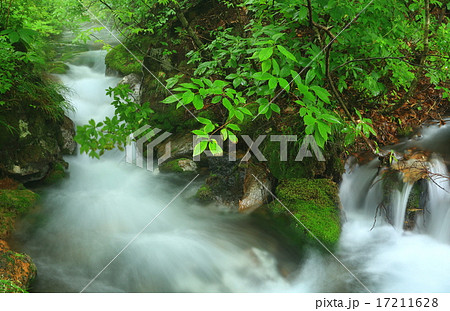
{"x": 86, "y": 220}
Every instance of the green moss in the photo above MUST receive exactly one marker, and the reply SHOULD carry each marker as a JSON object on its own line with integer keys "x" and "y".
{"x": 8, "y": 286}
{"x": 314, "y": 202}
{"x": 204, "y": 193}
{"x": 14, "y": 203}
{"x": 173, "y": 166}
{"x": 56, "y": 174}
{"x": 122, "y": 61}
{"x": 414, "y": 197}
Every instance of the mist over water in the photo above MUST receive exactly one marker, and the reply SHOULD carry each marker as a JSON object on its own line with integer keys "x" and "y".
{"x": 86, "y": 221}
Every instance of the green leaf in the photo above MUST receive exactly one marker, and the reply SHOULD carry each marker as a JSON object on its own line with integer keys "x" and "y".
{"x": 198, "y": 102}
{"x": 286, "y": 53}
{"x": 203, "y": 120}
{"x": 319, "y": 139}
{"x": 277, "y": 36}
{"x": 189, "y": 86}
{"x": 321, "y": 93}
{"x": 234, "y": 127}
{"x": 275, "y": 108}
{"x": 215, "y": 148}
{"x": 200, "y": 147}
{"x": 200, "y": 133}
{"x": 276, "y": 67}
{"x": 238, "y": 81}
{"x": 330, "y": 118}
{"x": 198, "y": 82}
{"x": 209, "y": 128}
{"x": 231, "y": 76}
{"x": 265, "y": 66}
{"x": 246, "y": 111}
{"x": 224, "y": 133}
{"x": 265, "y": 53}
{"x": 233, "y": 138}
{"x": 324, "y": 129}
{"x": 273, "y": 83}
{"x": 188, "y": 97}
{"x": 227, "y": 104}
{"x": 207, "y": 82}
{"x": 309, "y": 120}
{"x": 303, "y": 111}
{"x": 220, "y": 84}
{"x": 239, "y": 115}
{"x": 216, "y": 99}
{"x": 310, "y": 76}
{"x": 284, "y": 84}
{"x": 263, "y": 109}
{"x": 262, "y": 76}
{"x": 171, "y": 99}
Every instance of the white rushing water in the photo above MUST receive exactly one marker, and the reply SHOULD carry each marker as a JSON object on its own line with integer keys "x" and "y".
{"x": 387, "y": 258}
{"x": 87, "y": 219}
{"x": 91, "y": 216}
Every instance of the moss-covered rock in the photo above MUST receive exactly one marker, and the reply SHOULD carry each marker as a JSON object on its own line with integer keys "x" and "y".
{"x": 182, "y": 165}
{"x": 14, "y": 203}
{"x": 121, "y": 61}
{"x": 204, "y": 193}
{"x": 17, "y": 270}
{"x": 315, "y": 203}
{"x": 56, "y": 174}
{"x": 36, "y": 144}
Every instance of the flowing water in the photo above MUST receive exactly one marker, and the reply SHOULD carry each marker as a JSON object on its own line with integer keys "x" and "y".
{"x": 87, "y": 220}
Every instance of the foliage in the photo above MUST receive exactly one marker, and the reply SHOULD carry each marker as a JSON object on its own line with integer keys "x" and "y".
{"x": 97, "y": 137}
{"x": 122, "y": 61}
{"x": 285, "y": 58}
{"x": 25, "y": 28}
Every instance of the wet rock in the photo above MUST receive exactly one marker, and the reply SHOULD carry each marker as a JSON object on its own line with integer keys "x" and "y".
{"x": 257, "y": 182}
{"x": 414, "y": 165}
{"x": 68, "y": 144}
{"x": 226, "y": 180}
{"x": 17, "y": 270}
{"x": 134, "y": 81}
{"x": 204, "y": 193}
{"x": 179, "y": 165}
{"x": 180, "y": 146}
{"x": 30, "y": 152}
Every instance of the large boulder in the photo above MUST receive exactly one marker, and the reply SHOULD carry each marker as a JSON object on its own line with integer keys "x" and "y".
{"x": 17, "y": 270}
{"x": 181, "y": 146}
{"x": 226, "y": 180}
{"x": 33, "y": 143}
{"x": 313, "y": 202}
{"x": 257, "y": 184}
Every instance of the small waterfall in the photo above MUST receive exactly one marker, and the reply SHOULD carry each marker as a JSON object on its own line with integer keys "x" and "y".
{"x": 398, "y": 205}
{"x": 438, "y": 207}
